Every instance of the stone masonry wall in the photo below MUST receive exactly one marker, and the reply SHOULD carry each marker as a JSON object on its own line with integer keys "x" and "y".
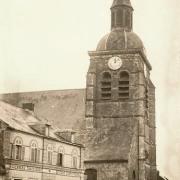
{"x": 109, "y": 171}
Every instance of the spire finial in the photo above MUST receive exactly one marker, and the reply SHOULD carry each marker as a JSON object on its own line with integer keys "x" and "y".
{"x": 121, "y": 3}
{"x": 121, "y": 15}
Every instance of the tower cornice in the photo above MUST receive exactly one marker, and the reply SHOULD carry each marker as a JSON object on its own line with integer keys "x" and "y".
{"x": 127, "y": 51}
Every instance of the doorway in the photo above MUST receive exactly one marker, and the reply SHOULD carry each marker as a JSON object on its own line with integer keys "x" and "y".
{"x": 90, "y": 174}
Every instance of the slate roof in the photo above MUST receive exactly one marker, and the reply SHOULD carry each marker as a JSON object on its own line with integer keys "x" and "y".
{"x": 22, "y": 120}
{"x": 17, "y": 118}
{"x": 66, "y": 110}
{"x": 62, "y": 108}
{"x": 120, "y": 40}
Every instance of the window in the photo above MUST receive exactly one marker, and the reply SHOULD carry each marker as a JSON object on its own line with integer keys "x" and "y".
{"x": 119, "y": 17}
{"x": 35, "y": 152}
{"x": 28, "y": 106}
{"x": 74, "y": 162}
{"x": 147, "y": 98}
{"x": 49, "y": 154}
{"x": 124, "y": 85}
{"x": 74, "y": 159}
{"x": 60, "y": 156}
{"x": 60, "y": 159}
{"x": 18, "y": 150}
{"x": 106, "y": 86}
{"x": 90, "y": 174}
{"x": 128, "y": 18}
{"x": 134, "y": 175}
{"x": 113, "y": 19}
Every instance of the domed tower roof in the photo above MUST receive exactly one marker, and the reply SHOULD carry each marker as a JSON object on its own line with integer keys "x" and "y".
{"x": 121, "y": 36}
{"x": 120, "y": 40}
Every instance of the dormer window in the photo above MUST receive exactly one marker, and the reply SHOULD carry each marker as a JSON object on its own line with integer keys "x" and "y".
{"x": 28, "y": 106}
{"x": 124, "y": 85}
{"x": 106, "y": 86}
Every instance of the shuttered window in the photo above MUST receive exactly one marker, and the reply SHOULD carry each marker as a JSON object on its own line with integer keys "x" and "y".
{"x": 106, "y": 86}
{"x": 124, "y": 85}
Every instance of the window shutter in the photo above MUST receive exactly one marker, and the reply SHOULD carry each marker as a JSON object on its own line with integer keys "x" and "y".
{"x": 22, "y": 152}
{"x": 54, "y": 158}
{"x": 31, "y": 154}
{"x": 7, "y": 145}
{"x": 38, "y": 155}
{"x": 13, "y": 151}
{"x": 45, "y": 156}
{"x": 10, "y": 150}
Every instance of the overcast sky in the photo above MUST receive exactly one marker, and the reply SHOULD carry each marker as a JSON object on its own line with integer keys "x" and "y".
{"x": 44, "y": 44}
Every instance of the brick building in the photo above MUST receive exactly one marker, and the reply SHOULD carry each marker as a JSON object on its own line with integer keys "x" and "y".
{"x": 33, "y": 150}
{"x": 114, "y": 117}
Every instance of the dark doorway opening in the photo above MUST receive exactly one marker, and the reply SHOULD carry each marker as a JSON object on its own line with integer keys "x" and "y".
{"x": 90, "y": 174}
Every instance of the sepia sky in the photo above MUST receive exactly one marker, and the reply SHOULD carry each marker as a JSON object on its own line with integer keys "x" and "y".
{"x": 44, "y": 44}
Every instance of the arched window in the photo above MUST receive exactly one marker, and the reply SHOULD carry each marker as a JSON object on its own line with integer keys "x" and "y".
{"x": 60, "y": 156}
{"x": 35, "y": 152}
{"x": 124, "y": 85}
{"x": 49, "y": 154}
{"x": 106, "y": 86}
{"x": 119, "y": 17}
{"x": 18, "y": 149}
{"x": 74, "y": 159}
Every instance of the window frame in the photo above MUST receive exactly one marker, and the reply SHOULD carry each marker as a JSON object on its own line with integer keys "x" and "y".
{"x": 18, "y": 150}
{"x": 60, "y": 156}
{"x": 74, "y": 159}
{"x": 49, "y": 154}
{"x": 34, "y": 152}
{"x": 106, "y": 85}
{"x": 124, "y": 85}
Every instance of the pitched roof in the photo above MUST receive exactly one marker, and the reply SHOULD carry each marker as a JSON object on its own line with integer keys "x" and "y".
{"x": 62, "y": 108}
{"x": 17, "y": 118}
{"x": 24, "y": 121}
{"x": 66, "y": 110}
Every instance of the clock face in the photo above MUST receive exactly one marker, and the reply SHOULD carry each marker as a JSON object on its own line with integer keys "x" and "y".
{"x": 115, "y": 63}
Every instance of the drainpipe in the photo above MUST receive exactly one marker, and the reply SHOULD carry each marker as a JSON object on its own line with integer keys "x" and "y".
{"x": 42, "y": 159}
{"x": 138, "y": 149}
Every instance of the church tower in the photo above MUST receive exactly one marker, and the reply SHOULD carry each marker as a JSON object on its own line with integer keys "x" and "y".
{"x": 119, "y": 130}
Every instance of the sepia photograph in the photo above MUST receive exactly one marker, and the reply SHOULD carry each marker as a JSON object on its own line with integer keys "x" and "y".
{"x": 89, "y": 90}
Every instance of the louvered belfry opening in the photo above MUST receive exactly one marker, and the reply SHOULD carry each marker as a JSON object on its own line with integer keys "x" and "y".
{"x": 106, "y": 86}
{"x": 124, "y": 85}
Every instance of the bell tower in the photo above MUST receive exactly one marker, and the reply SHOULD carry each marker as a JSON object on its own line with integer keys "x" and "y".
{"x": 119, "y": 132}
